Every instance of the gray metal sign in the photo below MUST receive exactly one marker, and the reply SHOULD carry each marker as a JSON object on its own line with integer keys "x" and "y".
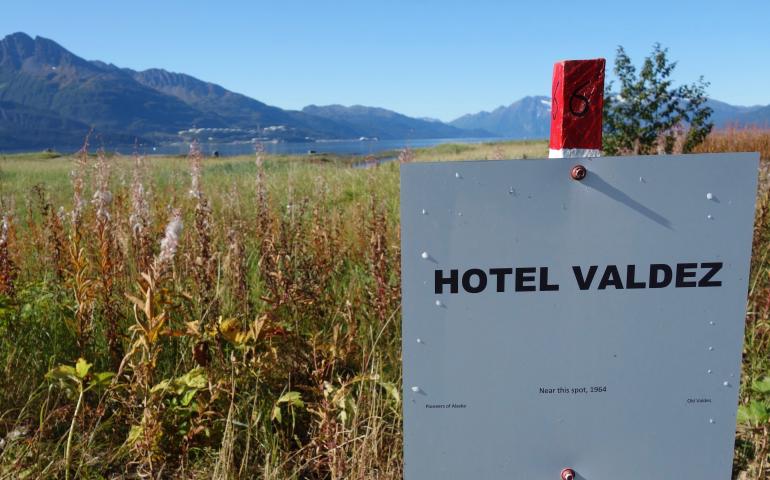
{"x": 596, "y": 325}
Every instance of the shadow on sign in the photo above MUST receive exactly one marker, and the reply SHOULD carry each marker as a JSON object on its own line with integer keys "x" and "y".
{"x": 596, "y": 182}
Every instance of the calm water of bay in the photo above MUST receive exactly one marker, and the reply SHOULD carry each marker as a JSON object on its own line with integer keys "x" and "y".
{"x": 343, "y": 147}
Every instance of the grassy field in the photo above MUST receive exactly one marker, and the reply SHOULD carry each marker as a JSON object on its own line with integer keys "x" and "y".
{"x": 233, "y": 317}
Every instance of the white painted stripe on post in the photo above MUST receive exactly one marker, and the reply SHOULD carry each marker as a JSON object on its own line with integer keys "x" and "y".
{"x": 574, "y": 153}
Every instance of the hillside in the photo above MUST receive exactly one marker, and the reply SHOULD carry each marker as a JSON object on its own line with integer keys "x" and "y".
{"x": 41, "y": 75}
{"x": 386, "y": 124}
{"x": 524, "y": 119}
{"x": 51, "y": 96}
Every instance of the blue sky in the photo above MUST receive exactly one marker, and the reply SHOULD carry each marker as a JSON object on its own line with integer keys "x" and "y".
{"x": 423, "y": 58}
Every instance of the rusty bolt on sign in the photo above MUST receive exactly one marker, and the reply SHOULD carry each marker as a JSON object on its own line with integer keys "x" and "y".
{"x": 568, "y": 473}
{"x": 578, "y": 172}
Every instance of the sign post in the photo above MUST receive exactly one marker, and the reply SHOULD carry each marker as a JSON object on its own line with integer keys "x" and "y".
{"x": 577, "y": 100}
{"x": 580, "y": 330}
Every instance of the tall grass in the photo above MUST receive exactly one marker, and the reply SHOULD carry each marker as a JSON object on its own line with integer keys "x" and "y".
{"x": 238, "y": 319}
{"x": 227, "y": 318}
{"x": 737, "y": 140}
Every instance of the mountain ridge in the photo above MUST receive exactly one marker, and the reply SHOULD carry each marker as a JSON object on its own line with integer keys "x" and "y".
{"x": 40, "y": 79}
{"x": 387, "y": 124}
{"x": 40, "y": 74}
{"x": 529, "y": 117}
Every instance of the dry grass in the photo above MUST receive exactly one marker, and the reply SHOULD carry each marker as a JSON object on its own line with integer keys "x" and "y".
{"x": 241, "y": 318}
{"x": 733, "y": 140}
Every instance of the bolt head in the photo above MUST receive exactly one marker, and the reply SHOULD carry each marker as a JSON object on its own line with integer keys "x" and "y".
{"x": 578, "y": 172}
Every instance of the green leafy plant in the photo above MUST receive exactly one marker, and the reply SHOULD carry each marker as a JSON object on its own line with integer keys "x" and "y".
{"x": 179, "y": 397}
{"x": 76, "y": 381}
{"x": 289, "y": 400}
{"x": 181, "y": 390}
{"x": 649, "y": 114}
{"x": 757, "y": 412}
{"x": 754, "y": 420}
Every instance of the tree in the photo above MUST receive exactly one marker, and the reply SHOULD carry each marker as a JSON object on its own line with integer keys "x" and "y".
{"x": 649, "y": 115}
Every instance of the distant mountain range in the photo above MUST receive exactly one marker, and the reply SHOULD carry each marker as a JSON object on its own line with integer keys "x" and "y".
{"x": 530, "y": 118}
{"x": 726, "y": 115}
{"x": 381, "y": 123}
{"x": 50, "y": 97}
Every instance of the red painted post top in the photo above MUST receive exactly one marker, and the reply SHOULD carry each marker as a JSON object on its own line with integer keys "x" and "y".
{"x": 577, "y": 100}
